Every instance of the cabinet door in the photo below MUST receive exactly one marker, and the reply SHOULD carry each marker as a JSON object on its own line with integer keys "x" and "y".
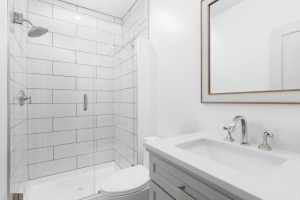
{"x": 156, "y": 193}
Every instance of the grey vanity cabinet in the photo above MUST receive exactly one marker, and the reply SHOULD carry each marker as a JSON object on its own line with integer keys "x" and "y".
{"x": 169, "y": 182}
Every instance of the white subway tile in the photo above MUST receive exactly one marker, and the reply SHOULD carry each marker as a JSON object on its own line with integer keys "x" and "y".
{"x": 104, "y": 109}
{"x": 50, "y": 53}
{"x": 85, "y": 84}
{"x": 104, "y": 156}
{"x": 51, "y": 110}
{"x": 109, "y": 27}
{"x": 40, "y": 7}
{"x": 107, "y": 49}
{"x": 105, "y": 37}
{"x": 92, "y": 59}
{"x": 63, "y": 41}
{"x": 86, "y": 46}
{"x": 104, "y": 97}
{"x": 105, "y": 120}
{"x": 104, "y": 132}
{"x": 19, "y": 129}
{"x": 52, "y": 167}
{"x": 69, "y": 123}
{"x": 105, "y": 144}
{"x": 51, "y": 139}
{"x": 85, "y": 160}
{"x": 95, "y": 14}
{"x": 40, "y": 96}
{"x": 50, "y": 82}
{"x": 73, "y": 17}
{"x": 82, "y": 112}
{"x": 85, "y": 147}
{"x": 69, "y": 69}
{"x": 103, "y": 85}
{"x": 40, "y": 155}
{"x": 39, "y": 66}
{"x": 85, "y": 135}
{"x": 64, "y": 151}
{"x": 104, "y": 73}
{"x": 39, "y": 125}
{"x": 86, "y": 33}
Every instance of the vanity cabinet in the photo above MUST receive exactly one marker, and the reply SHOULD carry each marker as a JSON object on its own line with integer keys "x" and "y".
{"x": 170, "y": 182}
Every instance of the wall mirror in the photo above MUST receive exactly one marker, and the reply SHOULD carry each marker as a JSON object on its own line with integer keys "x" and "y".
{"x": 251, "y": 51}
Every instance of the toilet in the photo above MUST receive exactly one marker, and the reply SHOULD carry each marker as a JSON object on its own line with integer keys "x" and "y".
{"x": 128, "y": 184}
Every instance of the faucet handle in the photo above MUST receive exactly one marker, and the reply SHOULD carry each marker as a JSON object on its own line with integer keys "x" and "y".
{"x": 265, "y": 145}
{"x": 229, "y": 137}
{"x": 225, "y": 128}
{"x": 267, "y": 134}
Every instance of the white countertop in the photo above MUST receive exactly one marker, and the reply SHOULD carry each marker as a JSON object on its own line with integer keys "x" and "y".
{"x": 282, "y": 183}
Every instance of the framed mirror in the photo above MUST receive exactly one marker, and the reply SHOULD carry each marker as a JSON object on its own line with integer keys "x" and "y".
{"x": 250, "y": 51}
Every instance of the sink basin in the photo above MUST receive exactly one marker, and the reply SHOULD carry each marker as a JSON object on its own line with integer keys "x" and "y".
{"x": 246, "y": 160}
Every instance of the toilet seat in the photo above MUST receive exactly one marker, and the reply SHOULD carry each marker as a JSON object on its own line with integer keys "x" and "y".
{"x": 126, "y": 181}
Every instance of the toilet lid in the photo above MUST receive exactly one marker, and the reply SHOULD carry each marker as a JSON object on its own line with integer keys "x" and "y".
{"x": 126, "y": 181}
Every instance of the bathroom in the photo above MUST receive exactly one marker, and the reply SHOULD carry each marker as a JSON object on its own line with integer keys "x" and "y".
{"x": 86, "y": 86}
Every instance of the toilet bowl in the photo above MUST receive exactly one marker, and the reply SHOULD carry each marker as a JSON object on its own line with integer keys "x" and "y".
{"x": 128, "y": 184}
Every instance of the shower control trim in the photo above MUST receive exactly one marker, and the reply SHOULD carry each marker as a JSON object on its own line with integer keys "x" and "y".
{"x": 23, "y": 97}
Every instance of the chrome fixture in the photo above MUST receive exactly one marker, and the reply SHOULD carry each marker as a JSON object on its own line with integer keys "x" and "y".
{"x": 265, "y": 145}
{"x": 232, "y": 126}
{"x": 23, "y": 97}
{"x": 85, "y": 102}
{"x": 35, "y": 31}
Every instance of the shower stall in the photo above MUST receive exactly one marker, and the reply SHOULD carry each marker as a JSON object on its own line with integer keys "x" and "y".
{"x": 72, "y": 96}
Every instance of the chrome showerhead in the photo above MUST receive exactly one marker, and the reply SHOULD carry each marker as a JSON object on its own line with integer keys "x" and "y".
{"x": 35, "y": 31}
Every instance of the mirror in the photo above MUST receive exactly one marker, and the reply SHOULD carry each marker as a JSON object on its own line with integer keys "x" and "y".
{"x": 251, "y": 47}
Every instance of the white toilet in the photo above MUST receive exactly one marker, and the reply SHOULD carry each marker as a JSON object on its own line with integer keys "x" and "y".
{"x": 130, "y": 183}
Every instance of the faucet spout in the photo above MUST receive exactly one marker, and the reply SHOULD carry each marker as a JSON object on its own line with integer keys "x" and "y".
{"x": 232, "y": 127}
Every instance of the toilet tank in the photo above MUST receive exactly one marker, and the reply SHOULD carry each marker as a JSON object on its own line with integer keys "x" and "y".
{"x": 145, "y": 152}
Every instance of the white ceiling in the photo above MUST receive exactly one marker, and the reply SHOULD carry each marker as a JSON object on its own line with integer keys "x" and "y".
{"x": 117, "y": 8}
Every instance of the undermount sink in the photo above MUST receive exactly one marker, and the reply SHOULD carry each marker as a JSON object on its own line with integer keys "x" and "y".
{"x": 246, "y": 160}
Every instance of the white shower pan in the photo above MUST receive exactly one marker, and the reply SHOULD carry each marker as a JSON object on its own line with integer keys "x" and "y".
{"x": 80, "y": 184}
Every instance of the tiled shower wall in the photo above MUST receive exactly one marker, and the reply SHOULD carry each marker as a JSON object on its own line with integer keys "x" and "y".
{"x": 73, "y": 59}
{"x": 135, "y": 24}
{"x": 18, "y": 114}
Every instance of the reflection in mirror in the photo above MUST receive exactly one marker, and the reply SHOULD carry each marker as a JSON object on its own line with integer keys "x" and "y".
{"x": 254, "y": 45}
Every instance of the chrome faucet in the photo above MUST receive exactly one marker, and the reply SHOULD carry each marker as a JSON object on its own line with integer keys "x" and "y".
{"x": 231, "y": 128}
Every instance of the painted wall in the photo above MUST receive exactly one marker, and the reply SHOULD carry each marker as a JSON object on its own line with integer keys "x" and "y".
{"x": 175, "y": 38}
{"x": 3, "y": 101}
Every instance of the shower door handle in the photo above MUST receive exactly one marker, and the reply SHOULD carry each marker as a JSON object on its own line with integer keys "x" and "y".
{"x": 85, "y": 102}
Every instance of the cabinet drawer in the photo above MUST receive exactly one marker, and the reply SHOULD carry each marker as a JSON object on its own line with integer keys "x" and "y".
{"x": 156, "y": 193}
{"x": 179, "y": 184}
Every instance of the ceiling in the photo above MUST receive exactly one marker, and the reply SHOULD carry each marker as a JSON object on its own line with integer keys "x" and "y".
{"x": 117, "y": 8}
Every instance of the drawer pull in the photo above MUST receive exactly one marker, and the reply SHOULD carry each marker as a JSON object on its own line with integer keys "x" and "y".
{"x": 182, "y": 188}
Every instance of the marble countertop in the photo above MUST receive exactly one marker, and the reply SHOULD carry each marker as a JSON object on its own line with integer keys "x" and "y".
{"x": 282, "y": 183}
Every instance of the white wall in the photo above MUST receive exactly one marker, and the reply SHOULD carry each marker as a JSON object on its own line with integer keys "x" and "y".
{"x": 3, "y": 101}
{"x": 175, "y": 37}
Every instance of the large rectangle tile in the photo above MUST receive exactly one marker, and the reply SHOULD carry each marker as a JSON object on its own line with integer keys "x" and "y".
{"x": 51, "y": 139}
{"x": 85, "y": 84}
{"x": 85, "y": 147}
{"x": 40, "y": 155}
{"x": 51, "y": 167}
{"x": 105, "y": 37}
{"x": 104, "y": 157}
{"x": 105, "y": 120}
{"x": 44, "y": 40}
{"x": 85, "y": 160}
{"x": 39, "y": 66}
{"x": 104, "y": 132}
{"x": 86, "y": 33}
{"x": 74, "y": 17}
{"x": 105, "y": 144}
{"x": 40, "y": 8}
{"x": 85, "y": 135}
{"x": 69, "y": 69}
{"x": 93, "y": 59}
{"x": 36, "y": 81}
{"x": 109, "y": 27}
{"x": 51, "y": 110}
{"x": 64, "y": 151}
{"x": 50, "y": 53}
{"x": 104, "y": 73}
{"x": 105, "y": 97}
{"x": 39, "y": 125}
{"x": 69, "y": 123}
